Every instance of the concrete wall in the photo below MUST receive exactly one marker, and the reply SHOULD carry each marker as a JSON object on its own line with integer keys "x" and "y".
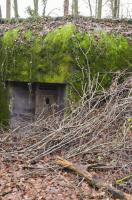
{"x": 22, "y": 105}
{"x": 49, "y": 99}
{"x": 27, "y": 104}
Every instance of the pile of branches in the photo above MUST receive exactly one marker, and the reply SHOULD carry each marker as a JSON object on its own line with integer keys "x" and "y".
{"x": 97, "y": 129}
{"x": 98, "y": 125}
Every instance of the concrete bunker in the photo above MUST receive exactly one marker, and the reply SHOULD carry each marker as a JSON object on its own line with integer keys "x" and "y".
{"x": 28, "y": 101}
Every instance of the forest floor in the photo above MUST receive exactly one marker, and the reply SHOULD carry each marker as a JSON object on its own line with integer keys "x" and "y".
{"x": 96, "y": 141}
{"x": 44, "y": 180}
{"x": 40, "y": 181}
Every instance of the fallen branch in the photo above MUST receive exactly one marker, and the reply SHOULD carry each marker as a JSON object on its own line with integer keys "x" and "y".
{"x": 101, "y": 167}
{"x": 115, "y": 194}
{"x": 126, "y": 178}
{"x": 8, "y": 136}
{"x": 5, "y": 193}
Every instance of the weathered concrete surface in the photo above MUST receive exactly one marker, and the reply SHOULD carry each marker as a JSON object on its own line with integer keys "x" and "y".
{"x": 22, "y": 105}
{"x": 28, "y": 102}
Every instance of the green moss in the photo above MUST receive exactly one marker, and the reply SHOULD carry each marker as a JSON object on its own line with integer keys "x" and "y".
{"x": 28, "y": 35}
{"x": 58, "y": 56}
{"x": 4, "y": 106}
{"x": 10, "y": 37}
{"x": 98, "y": 53}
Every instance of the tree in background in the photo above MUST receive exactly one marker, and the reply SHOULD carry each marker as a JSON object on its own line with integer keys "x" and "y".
{"x": 116, "y": 8}
{"x": 66, "y": 7}
{"x": 16, "y": 9}
{"x": 36, "y": 7}
{"x": 44, "y": 6}
{"x": 0, "y": 12}
{"x": 8, "y": 9}
{"x": 75, "y": 8}
{"x": 90, "y": 8}
{"x": 98, "y": 12}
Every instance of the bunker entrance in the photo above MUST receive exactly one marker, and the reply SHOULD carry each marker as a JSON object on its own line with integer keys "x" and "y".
{"x": 27, "y": 104}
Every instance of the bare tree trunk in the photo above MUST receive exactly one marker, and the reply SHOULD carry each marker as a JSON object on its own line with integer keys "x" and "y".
{"x": 90, "y": 8}
{"x": 0, "y": 12}
{"x": 44, "y": 7}
{"x": 66, "y": 7}
{"x": 112, "y": 7}
{"x": 96, "y": 9}
{"x": 115, "y": 8}
{"x": 16, "y": 9}
{"x": 99, "y": 9}
{"x": 8, "y": 9}
{"x": 118, "y": 13}
{"x": 75, "y": 8}
{"x": 36, "y": 7}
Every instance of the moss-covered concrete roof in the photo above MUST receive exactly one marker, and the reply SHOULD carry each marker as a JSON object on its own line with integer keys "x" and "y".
{"x": 42, "y": 26}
